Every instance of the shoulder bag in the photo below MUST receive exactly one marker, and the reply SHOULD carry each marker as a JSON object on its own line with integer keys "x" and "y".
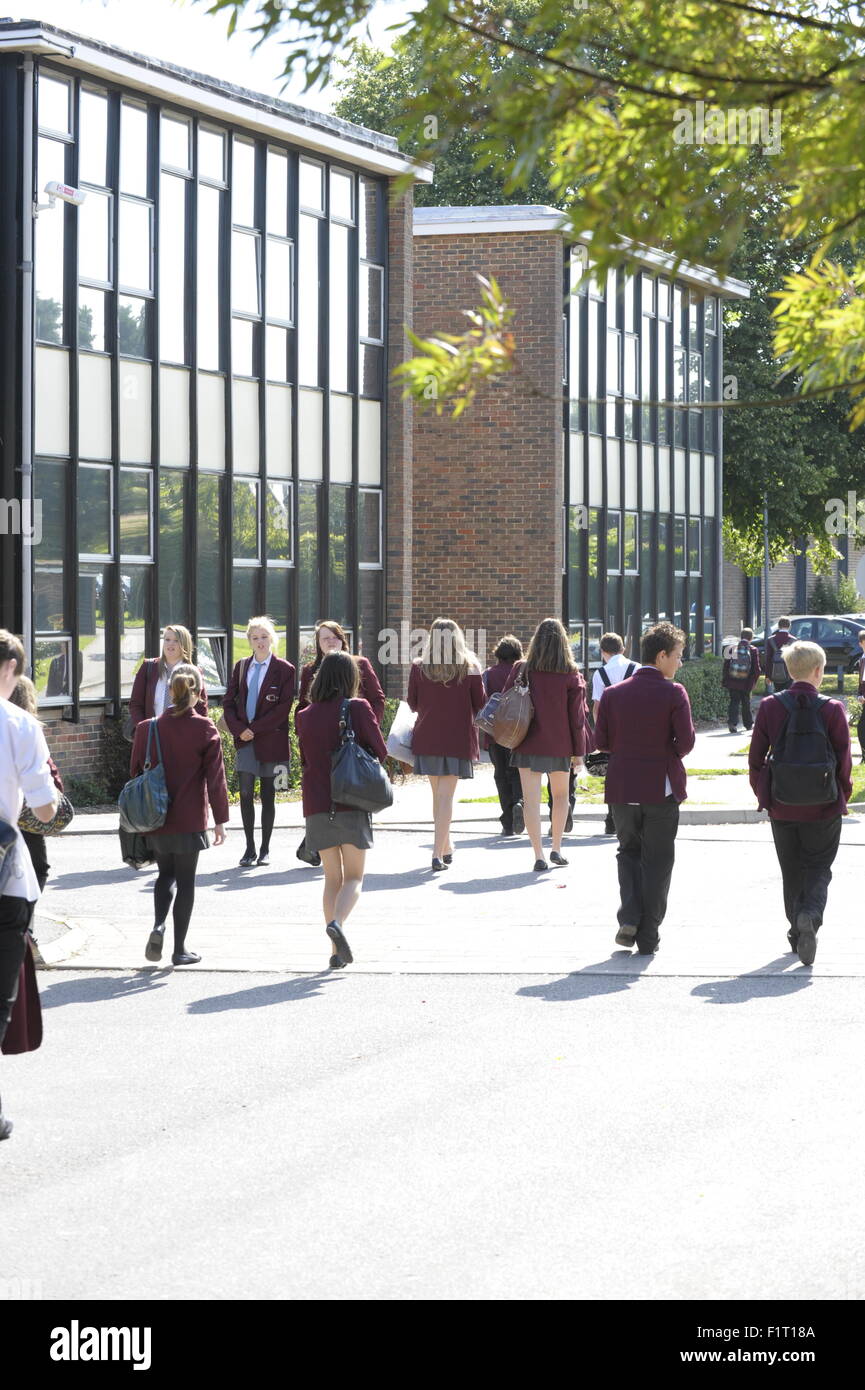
{"x": 356, "y": 778}
{"x": 144, "y": 801}
{"x": 513, "y": 714}
{"x": 34, "y": 826}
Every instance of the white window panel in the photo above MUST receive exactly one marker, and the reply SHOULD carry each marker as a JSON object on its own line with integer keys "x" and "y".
{"x": 663, "y": 480}
{"x": 211, "y": 422}
{"x": 94, "y": 406}
{"x": 278, "y": 426}
{"x": 631, "y": 472}
{"x": 134, "y": 393}
{"x": 648, "y": 470}
{"x": 694, "y": 483}
{"x": 596, "y": 472}
{"x": 310, "y": 414}
{"x": 679, "y": 481}
{"x": 244, "y": 426}
{"x": 340, "y": 439}
{"x": 51, "y": 415}
{"x": 614, "y": 485}
{"x": 174, "y": 417}
{"x": 575, "y": 466}
{"x": 709, "y": 483}
{"x": 369, "y": 443}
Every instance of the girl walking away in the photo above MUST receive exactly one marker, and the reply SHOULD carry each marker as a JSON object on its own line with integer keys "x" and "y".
{"x": 446, "y": 691}
{"x": 24, "y": 696}
{"x": 256, "y": 708}
{"x": 340, "y": 834}
{"x": 191, "y": 756}
{"x": 150, "y": 688}
{"x": 332, "y": 637}
{"x": 556, "y": 740}
{"x": 508, "y": 651}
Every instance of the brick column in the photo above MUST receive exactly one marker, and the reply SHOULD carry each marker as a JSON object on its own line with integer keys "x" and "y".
{"x": 398, "y": 546}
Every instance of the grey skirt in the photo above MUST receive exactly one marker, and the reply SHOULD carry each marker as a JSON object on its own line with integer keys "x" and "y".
{"x": 345, "y": 828}
{"x": 246, "y": 761}
{"x": 539, "y": 762}
{"x": 435, "y": 765}
{"x": 178, "y": 841}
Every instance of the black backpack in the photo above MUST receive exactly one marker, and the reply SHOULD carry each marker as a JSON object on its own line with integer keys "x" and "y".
{"x": 802, "y": 762}
{"x": 629, "y": 671}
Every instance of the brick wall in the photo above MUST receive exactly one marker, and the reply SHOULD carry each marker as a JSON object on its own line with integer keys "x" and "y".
{"x": 488, "y": 486}
{"x": 399, "y": 423}
{"x": 75, "y": 748}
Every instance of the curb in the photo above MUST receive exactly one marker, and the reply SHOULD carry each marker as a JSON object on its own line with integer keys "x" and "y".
{"x": 47, "y": 954}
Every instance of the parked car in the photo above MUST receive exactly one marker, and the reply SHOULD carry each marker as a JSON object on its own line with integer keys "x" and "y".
{"x": 838, "y": 636}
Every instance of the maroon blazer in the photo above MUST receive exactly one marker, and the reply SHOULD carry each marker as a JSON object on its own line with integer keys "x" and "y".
{"x": 194, "y": 770}
{"x": 771, "y": 717}
{"x": 318, "y": 735}
{"x": 494, "y": 678}
{"x": 272, "y": 709}
{"x": 778, "y": 639}
{"x": 144, "y": 691}
{"x": 745, "y": 683}
{"x": 370, "y": 689}
{"x": 861, "y": 690}
{"x": 445, "y": 714}
{"x": 645, "y": 725}
{"x": 558, "y": 729}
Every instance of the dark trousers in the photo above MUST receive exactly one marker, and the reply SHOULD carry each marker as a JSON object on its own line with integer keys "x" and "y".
{"x": 860, "y": 730}
{"x": 646, "y": 853}
{"x": 15, "y": 916}
{"x": 507, "y": 783}
{"x": 806, "y": 851}
{"x": 38, "y": 855}
{"x": 739, "y": 699}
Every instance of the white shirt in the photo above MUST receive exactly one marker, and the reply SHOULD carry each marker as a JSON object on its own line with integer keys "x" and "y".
{"x": 615, "y": 669}
{"x": 262, "y": 665}
{"x": 160, "y": 694}
{"x": 24, "y": 775}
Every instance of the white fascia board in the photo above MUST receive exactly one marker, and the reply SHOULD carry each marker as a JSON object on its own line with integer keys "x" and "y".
{"x": 34, "y": 41}
{"x": 477, "y": 226}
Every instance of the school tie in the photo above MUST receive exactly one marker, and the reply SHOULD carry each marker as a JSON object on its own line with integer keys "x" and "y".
{"x": 253, "y": 681}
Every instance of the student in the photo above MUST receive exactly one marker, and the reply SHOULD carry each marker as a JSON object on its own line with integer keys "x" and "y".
{"x": 645, "y": 725}
{"x": 556, "y": 740}
{"x": 24, "y": 696}
{"x": 331, "y": 637}
{"x": 340, "y": 834}
{"x": 23, "y": 770}
{"x": 616, "y": 667}
{"x": 150, "y": 687}
{"x": 740, "y": 675}
{"x": 446, "y": 691}
{"x": 508, "y": 651}
{"x": 194, "y": 776}
{"x": 773, "y": 661}
{"x": 806, "y": 836}
{"x": 256, "y": 708}
{"x": 860, "y": 727}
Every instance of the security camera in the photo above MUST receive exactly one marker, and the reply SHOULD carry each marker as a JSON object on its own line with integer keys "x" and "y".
{"x": 66, "y": 192}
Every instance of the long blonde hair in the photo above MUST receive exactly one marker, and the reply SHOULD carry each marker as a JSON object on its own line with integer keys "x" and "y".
{"x": 445, "y": 657}
{"x": 184, "y": 637}
{"x": 185, "y": 687}
{"x": 549, "y": 649}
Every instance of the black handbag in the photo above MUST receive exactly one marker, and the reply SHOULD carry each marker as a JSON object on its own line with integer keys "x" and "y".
{"x": 144, "y": 801}
{"x": 357, "y": 778}
{"x": 133, "y": 849}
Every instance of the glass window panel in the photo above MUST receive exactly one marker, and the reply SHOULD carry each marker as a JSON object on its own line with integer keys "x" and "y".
{"x": 212, "y": 660}
{"x": 664, "y": 299}
{"x": 242, "y": 347}
{"x": 134, "y": 254}
{"x": 646, "y": 557}
{"x": 135, "y": 512}
{"x": 339, "y": 317}
{"x": 612, "y": 284}
{"x": 277, "y": 193}
{"x": 245, "y": 294}
{"x": 94, "y": 262}
{"x": 630, "y": 351}
{"x": 710, "y": 310}
{"x": 94, "y": 406}
{"x": 614, "y": 379}
{"x": 338, "y": 551}
{"x": 211, "y": 422}
{"x": 209, "y": 574}
{"x": 693, "y": 546}
{"x": 172, "y": 276}
{"x": 279, "y": 280}
{"x": 368, "y": 527}
{"x": 135, "y": 422}
{"x": 48, "y": 590}
{"x": 244, "y": 426}
{"x": 309, "y": 372}
{"x": 369, "y": 615}
{"x": 614, "y": 542}
{"x": 628, "y": 296}
{"x": 174, "y": 416}
{"x": 310, "y": 434}
{"x": 51, "y": 413}
{"x": 695, "y": 376}
{"x": 679, "y": 374}
{"x": 276, "y": 353}
{"x": 49, "y": 228}
{"x": 53, "y": 103}
{"x": 49, "y": 488}
{"x": 246, "y": 545}
{"x": 680, "y": 318}
{"x": 695, "y": 429}
{"x": 278, "y": 426}
{"x": 648, "y": 294}
{"x": 92, "y": 597}
{"x": 340, "y": 438}
{"x": 709, "y": 361}
{"x": 593, "y": 570}
{"x": 52, "y": 673}
{"x": 631, "y": 554}
{"x": 371, "y": 371}
{"x": 243, "y": 184}
{"x": 679, "y": 545}
{"x": 371, "y": 287}
{"x": 277, "y": 501}
{"x": 369, "y": 443}
{"x": 133, "y": 149}
{"x": 94, "y": 511}
{"x": 693, "y": 316}
{"x": 276, "y": 590}
{"x": 307, "y": 549}
{"x": 133, "y": 325}
{"x": 342, "y": 195}
{"x": 173, "y": 548}
{"x": 244, "y": 604}
{"x": 614, "y": 589}
{"x": 91, "y": 319}
{"x": 370, "y": 194}
{"x": 135, "y": 583}
{"x": 311, "y": 178}
{"x": 661, "y": 568}
{"x": 92, "y": 137}
{"x": 209, "y": 279}
{"x": 211, "y": 155}
{"x": 175, "y": 143}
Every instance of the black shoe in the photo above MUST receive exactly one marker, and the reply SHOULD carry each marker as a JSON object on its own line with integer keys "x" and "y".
{"x": 438, "y": 865}
{"x": 541, "y": 866}
{"x": 448, "y": 858}
{"x": 569, "y": 822}
{"x": 335, "y": 963}
{"x": 264, "y": 858}
{"x": 249, "y": 860}
{"x": 557, "y": 859}
{"x": 185, "y": 958}
{"x": 343, "y": 950}
{"x": 153, "y": 949}
{"x": 626, "y": 936}
{"x": 648, "y": 950}
{"x": 793, "y": 938}
{"x": 508, "y": 834}
{"x": 308, "y": 856}
{"x": 519, "y": 818}
{"x": 609, "y": 826}
{"x": 806, "y": 944}
{"x": 5, "y": 1127}
{"x": 732, "y": 731}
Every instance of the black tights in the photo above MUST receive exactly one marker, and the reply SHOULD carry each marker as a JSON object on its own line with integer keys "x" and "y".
{"x": 247, "y": 809}
{"x": 179, "y": 870}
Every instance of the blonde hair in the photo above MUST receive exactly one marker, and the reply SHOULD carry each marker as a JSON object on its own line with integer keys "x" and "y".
{"x": 445, "y": 657}
{"x": 184, "y": 637}
{"x": 185, "y": 687}
{"x": 549, "y": 649}
{"x": 24, "y": 695}
{"x": 267, "y": 626}
{"x": 802, "y": 658}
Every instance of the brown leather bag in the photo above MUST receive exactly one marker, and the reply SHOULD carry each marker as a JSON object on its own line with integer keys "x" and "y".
{"x": 515, "y": 712}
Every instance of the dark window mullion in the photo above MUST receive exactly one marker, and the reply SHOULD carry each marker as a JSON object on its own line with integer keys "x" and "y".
{"x": 70, "y": 296}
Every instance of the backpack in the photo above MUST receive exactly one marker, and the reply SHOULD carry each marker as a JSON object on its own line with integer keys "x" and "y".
{"x": 802, "y": 762}
{"x": 740, "y": 662}
{"x": 629, "y": 671}
{"x": 777, "y": 665}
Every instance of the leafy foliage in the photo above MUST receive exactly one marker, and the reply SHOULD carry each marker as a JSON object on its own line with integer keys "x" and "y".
{"x": 450, "y": 367}
{"x": 835, "y": 596}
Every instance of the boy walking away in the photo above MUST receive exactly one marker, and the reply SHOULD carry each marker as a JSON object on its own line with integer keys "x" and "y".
{"x": 860, "y": 727}
{"x": 741, "y": 670}
{"x": 616, "y": 667}
{"x": 645, "y": 725}
{"x": 800, "y": 772}
{"x": 777, "y": 676}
